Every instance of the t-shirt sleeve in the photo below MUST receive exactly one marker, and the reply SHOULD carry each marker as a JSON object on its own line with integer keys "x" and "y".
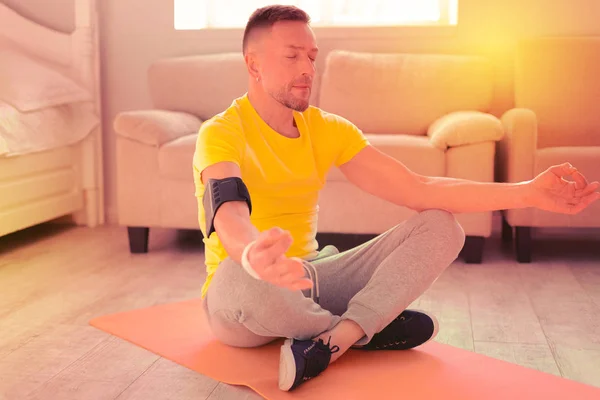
{"x": 218, "y": 142}
{"x": 350, "y": 140}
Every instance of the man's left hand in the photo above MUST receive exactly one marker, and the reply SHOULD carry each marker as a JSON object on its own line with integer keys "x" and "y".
{"x": 550, "y": 191}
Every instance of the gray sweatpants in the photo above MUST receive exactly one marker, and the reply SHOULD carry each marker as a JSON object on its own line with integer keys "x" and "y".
{"x": 370, "y": 284}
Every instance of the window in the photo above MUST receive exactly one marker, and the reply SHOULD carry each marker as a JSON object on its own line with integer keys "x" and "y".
{"x": 206, "y": 14}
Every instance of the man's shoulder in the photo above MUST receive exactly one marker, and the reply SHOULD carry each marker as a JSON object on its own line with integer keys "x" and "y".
{"x": 228, "y": 118}
{"x": 316, "y": 115}
{"x": 227, "y": 121}
{"x": 223, "y": 130}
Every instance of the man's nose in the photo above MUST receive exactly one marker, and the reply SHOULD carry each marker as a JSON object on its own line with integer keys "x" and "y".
{"x": 308, "y": 67}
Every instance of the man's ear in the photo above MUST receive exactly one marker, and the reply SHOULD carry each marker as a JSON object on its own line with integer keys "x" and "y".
{"x": 252, "y": 63}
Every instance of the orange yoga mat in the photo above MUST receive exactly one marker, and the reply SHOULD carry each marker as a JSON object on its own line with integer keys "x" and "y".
{"x": 179, "y": 332}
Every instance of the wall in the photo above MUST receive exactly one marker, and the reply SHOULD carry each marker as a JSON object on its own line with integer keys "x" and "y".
{"x": 134, "y": 33}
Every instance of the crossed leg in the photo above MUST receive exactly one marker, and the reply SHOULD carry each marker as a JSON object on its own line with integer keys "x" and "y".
{"x": 357, "y": 292}
{"x": 370, "y": 285}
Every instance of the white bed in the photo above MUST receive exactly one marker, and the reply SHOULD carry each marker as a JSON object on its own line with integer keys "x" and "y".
{"x": 50, "y": 156}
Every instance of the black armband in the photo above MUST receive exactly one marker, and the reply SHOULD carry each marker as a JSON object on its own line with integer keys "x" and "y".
{"x": 219, "y": 192}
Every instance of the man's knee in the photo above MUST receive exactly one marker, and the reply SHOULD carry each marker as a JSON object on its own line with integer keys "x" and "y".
{"x": 245, "y": 310}
{"x": 230, "y": 287}
{"x": 445, "y": 227}
{"x": 234, "y": 289}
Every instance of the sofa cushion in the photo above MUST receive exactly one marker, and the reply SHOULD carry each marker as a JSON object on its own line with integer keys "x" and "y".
{"x": 416, "y": 152}
{"x": 175, "y": 158}
{"x": 388, "y": 93}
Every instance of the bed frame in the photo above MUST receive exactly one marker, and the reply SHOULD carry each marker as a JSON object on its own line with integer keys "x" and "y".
{"x": 67, "y": 181}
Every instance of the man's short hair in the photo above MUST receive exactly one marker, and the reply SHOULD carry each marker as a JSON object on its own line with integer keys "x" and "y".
{"x": 265, "y": 17}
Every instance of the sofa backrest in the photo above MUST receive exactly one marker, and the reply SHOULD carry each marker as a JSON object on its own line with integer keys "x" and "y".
{"x": 403, "y": 93}
{"x": 380, "y": 93}
{"x": 558, "y": 79}
{"x": 203, "y": 85}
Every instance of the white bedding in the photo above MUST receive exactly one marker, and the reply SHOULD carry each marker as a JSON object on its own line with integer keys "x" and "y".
{"x": 41, "y": 107}
{"x": 44, "y": 129}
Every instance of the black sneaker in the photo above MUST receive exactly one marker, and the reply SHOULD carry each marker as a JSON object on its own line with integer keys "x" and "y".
{"x": 409, "y": 330}
{"x": 301, "y": 360}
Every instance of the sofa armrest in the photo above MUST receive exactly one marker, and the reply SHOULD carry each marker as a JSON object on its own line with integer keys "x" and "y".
{"x": 464, "y": 128}
{"x": 155, "y": 127}
{"x": 516, "y": 152}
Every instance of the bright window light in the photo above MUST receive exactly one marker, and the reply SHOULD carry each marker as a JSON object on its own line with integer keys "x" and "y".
{"x": 205, "y": 14}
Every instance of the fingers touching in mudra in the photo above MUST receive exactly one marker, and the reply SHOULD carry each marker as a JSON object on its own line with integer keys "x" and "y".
{"x": 553, "y": 192}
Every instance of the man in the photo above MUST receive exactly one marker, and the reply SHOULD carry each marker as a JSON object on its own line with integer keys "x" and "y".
{"x": 258, "y": 168}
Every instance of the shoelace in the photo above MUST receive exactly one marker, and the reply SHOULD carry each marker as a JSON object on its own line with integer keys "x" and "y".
{"x": 331, "y": 349}
{"x": 316, "y": 364}
{"x": 392, "y": 341}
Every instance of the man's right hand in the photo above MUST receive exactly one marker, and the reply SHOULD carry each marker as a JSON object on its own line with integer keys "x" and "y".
{"x": 267, "y": 257}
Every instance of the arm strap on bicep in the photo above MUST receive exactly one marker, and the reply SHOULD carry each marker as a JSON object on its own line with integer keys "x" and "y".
{"x": 219, "y": 192}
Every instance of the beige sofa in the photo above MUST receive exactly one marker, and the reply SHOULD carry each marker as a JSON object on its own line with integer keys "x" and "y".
{"x": 429, "y": 111}
{"x": 557, "y": 119}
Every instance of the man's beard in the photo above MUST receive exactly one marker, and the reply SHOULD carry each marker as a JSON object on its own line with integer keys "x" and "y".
{"x": 285, "y": 97}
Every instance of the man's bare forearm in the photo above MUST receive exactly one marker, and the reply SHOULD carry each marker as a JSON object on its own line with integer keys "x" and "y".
{"x": 465, "y": 196}
{"x": 234, "y": 228}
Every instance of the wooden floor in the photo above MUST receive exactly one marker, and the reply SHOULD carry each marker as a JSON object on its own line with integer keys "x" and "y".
{"x": 54, "y": 279}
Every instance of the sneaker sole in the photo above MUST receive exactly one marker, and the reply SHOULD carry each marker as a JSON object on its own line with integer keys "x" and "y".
{"x": 436, "y": 327}
{"x": 287, "y": 366}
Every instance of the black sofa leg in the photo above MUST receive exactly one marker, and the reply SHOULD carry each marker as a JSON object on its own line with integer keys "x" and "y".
{"x": 523, "y": 243}
{"x": 507, "y": 232}
{"x": 473, "y": 249}
{"x": 138, "y": 239}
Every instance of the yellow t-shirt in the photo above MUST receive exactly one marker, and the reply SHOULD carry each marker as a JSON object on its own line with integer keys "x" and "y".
{"x": 283, "y": 175}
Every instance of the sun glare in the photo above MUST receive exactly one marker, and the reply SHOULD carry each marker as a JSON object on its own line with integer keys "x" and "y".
{"x": 202, "y": 14}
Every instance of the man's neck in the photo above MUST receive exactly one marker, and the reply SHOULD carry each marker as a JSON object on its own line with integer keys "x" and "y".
{"x": 276, "y": 115}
